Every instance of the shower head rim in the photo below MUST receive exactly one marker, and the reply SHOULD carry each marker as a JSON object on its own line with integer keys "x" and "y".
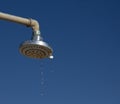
{"x": 38, "y": 48}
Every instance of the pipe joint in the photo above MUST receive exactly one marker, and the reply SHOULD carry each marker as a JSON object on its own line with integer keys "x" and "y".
{"x": 34, "y": 25}
{"x": 28, "y": 22}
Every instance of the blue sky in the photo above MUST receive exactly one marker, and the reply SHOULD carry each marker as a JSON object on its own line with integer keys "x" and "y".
{"x": 85, "y": 37}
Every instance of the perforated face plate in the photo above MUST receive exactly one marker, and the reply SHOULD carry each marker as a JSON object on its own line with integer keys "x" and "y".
{"x": 35, "y": 50}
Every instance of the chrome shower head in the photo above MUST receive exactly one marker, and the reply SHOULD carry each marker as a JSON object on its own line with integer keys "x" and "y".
{"x": 36, "y": 48}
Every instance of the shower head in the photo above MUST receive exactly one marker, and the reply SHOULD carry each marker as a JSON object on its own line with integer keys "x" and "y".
{"x": 36, "y": 48}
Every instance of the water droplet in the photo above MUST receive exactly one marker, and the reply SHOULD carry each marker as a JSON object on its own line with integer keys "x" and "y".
{"x": 42, "y": 82}
{"x": 41, "y": 72}
{"x": 42, "y": 79}
{"x": 51, "y": 57}
{"x": 41, "y": 94}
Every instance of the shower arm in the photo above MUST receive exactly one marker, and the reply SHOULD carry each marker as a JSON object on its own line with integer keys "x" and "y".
{"x": 28, "y": 22}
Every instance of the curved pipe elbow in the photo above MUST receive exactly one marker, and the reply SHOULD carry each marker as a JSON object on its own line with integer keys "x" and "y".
{"x": 28, "y": 22}
{"x": 35, "y": 25}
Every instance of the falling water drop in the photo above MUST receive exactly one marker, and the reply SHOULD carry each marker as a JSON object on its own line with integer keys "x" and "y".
{"x": 51, "y": 57}
{"x": 42, "y": 79}
{"x": 41, "y": 73}
{"x": 41, "y": 94}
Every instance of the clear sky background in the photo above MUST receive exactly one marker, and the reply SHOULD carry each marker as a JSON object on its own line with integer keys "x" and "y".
{"x": 85, "y": 36}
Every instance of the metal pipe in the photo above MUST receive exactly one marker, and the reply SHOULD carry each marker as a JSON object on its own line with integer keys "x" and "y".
{"x": 28, "y": 22}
